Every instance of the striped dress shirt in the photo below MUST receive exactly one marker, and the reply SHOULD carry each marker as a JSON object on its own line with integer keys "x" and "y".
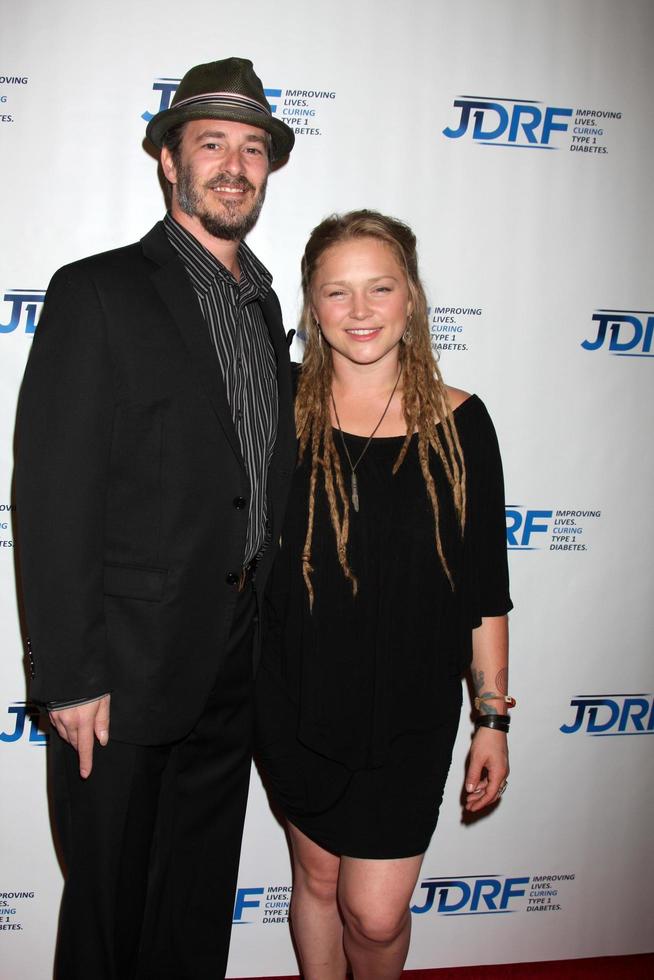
{"x": 246, "y": 360}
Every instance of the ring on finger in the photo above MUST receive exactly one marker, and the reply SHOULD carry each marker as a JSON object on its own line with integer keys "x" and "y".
{"x": 502, "y": 787}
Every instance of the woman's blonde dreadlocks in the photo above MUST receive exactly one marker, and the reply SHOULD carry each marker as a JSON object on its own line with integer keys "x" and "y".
{"x": 424, "y": 398}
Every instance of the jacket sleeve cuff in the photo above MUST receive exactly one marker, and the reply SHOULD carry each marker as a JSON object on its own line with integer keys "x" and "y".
{"x": 59, "y": 705}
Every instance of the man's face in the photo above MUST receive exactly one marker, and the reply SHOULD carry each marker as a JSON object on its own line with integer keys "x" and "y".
{"x": 219, "y": 175}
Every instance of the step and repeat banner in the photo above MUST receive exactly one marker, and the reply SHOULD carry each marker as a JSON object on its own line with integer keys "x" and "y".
{"x": 517, "y": 138}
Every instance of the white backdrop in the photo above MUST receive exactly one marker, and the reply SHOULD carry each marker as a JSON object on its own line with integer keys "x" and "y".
{"x": 526, "y": 255}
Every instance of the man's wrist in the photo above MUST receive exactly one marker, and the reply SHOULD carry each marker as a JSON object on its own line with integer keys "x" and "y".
{"x": 60, "y": 705}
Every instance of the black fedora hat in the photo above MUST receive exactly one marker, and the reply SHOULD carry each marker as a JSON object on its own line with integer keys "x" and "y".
{"x": 227, "y": 89}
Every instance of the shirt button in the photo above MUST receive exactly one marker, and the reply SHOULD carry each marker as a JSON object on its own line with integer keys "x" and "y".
{"x": 239, "y": 502}
{"x": 232, "y": 578}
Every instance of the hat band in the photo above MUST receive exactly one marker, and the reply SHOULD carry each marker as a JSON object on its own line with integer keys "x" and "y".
{"x": 227, "y": 100}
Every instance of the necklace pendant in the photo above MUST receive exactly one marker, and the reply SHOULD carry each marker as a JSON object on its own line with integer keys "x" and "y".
{"x": 355, "y": 492}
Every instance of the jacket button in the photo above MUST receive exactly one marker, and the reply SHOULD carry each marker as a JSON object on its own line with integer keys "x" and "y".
{"x": 232, "y": 578}
{"x": 239, "y": 502}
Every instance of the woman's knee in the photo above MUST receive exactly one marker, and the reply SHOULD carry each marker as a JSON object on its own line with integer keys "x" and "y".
{"x": 320, "y": 883}
{"x": 315, "y": 870}
{"x": 378, "y": 926}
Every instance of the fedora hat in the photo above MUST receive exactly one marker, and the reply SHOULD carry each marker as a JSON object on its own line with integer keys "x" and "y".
{"x": 227, "y": 89}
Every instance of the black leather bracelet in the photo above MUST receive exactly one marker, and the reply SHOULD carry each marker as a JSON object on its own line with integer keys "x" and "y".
{"x": 500, "y": 722}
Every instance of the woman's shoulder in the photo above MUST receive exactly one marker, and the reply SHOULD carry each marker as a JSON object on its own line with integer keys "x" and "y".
{"x": 474, "y": 427}
{"x": 468, "y": 409}
{"x": 456, "y": 396}
{"x": 470, "y": 413}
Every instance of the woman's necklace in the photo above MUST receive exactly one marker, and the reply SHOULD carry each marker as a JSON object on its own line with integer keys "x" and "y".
{"x": 353, "y": 466}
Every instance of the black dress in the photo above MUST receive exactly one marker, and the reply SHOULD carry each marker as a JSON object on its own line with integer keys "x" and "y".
{"x": 358, "y": 701}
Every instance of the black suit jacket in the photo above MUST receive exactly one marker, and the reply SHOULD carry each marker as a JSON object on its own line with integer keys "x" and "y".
{"x": 127, "y": 469}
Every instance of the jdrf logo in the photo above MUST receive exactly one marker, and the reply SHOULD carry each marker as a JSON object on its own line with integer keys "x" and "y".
{"x": 272, "y": 93}
{"x": 245, "y": 900}
{"x": 631, "y": 332}
{"x": 166, "y": 87}
{"x": 23, "y": 718}
{"x": 521, "y": 123}
{"x": 523, "y": 524}
{"x": 273, "y": 902}
{"x": 25, "y": 306}
{"x": 612, "y": 714}
{"x": 471, "y": 895}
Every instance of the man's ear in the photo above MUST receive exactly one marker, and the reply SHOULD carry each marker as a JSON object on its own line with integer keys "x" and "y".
{"x": 168, "y": 165}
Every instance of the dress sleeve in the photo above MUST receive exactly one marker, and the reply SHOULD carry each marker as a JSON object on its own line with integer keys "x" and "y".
{"x": 486, "y": 565}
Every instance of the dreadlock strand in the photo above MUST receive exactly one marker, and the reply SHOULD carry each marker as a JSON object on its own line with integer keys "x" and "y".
{"x": 345, "y": 502}
{"x": 410, "y": 404}
{"x": 307, "y": 567}
{"x": 433, "y": 496}
{"x": 459, "y": 485}
{"x": 340, "y": 525}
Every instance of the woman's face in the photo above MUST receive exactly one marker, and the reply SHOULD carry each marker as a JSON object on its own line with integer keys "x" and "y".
{"x": 360, "y": 298}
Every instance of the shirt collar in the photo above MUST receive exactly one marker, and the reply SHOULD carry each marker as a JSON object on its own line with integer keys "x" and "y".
{"x": 204, "y": 269}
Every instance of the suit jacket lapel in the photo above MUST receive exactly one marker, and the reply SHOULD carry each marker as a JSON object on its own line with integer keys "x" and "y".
{"x": 174, "y": 287}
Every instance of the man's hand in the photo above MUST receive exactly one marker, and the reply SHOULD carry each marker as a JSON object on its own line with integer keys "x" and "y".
{"x": 80, "y": 725}
{"x": 488, "y": 767}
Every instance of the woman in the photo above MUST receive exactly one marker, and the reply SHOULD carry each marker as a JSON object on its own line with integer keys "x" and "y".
{"x": 391, "y": 575}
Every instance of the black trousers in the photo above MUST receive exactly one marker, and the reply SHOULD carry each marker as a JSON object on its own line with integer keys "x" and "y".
{"x": 151, "y": 841}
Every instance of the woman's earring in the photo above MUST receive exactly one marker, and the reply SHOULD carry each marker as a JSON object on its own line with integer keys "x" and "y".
{"x": 407, "y": 336}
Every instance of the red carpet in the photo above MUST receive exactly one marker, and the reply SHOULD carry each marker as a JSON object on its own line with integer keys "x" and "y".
{"x": 601, "y": 968}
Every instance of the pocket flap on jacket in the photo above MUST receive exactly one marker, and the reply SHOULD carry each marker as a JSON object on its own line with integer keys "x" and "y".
{"x": 134, "y": 583}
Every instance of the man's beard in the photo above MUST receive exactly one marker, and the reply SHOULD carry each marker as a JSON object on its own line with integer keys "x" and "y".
{"x": 233, "y": 225}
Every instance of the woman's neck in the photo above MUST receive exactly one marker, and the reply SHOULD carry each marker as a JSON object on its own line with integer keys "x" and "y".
{"x": 364, "y": 380}
{"x": 364, "y": 394}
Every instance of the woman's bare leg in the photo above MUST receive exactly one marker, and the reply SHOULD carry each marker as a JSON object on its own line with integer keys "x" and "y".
{"x": 315, "y": 919}
{"x": 374, "y": 901}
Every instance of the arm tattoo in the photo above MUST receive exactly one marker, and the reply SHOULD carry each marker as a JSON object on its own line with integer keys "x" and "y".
{"x": 486, "y": 706}
{"x": 501, "y": 680}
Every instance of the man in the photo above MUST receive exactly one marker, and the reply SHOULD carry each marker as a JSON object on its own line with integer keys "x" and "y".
{"x": 155, "y": 443}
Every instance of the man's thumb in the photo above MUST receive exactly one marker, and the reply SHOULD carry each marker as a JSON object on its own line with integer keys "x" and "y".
{"x": 101, "y": 726}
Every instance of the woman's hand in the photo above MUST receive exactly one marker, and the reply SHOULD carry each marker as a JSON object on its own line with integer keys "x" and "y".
{"x": 488, "y": 768}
